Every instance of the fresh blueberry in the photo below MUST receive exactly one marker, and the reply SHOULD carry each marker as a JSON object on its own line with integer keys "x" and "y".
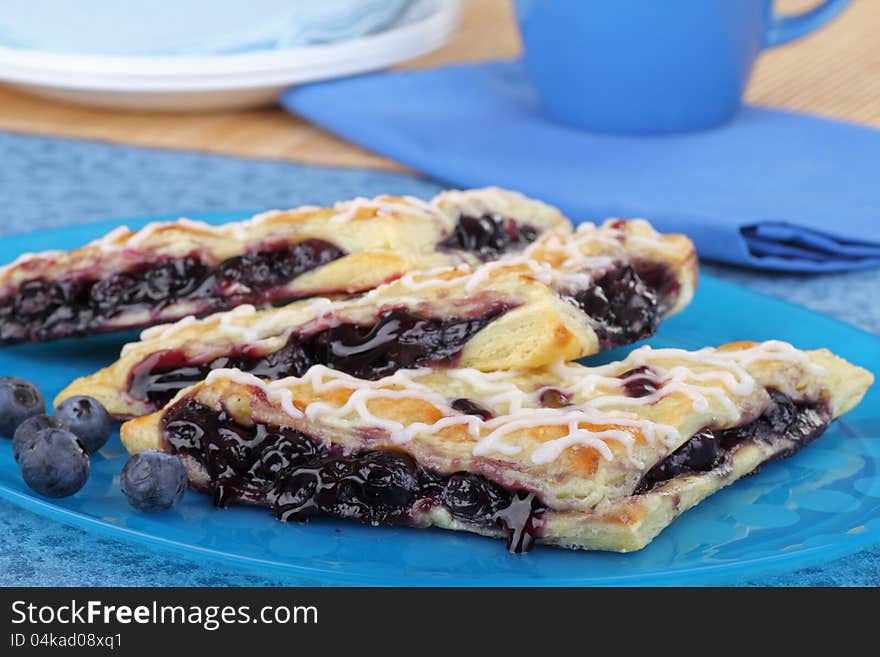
{"x": 19, "y": 399}
{"x": 28, "y": 430}
{"x": 54, "y": 463}
{"x": 85, "y": 417}
{"x": 153, "y": 481}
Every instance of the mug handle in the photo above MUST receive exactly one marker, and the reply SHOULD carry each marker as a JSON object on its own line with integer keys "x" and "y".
{"x": 783, "y": 29}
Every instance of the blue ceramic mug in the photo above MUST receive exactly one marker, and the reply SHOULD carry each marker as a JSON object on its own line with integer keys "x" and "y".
{"x": 651, "y": 66}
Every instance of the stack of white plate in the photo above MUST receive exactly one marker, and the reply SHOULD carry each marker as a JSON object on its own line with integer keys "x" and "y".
{"x": 223, "y": 81}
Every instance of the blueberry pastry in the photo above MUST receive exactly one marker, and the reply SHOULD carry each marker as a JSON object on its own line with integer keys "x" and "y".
{"x": 564, "y": 297}
{"x": 167, "y": 271}
{"x": 596, "y": 458}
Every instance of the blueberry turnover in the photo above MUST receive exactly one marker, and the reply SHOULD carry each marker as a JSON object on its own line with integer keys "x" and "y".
{"x": 597, "y": 458}
{"x": 167, "y": 271}
{"x": 564, "y": 297}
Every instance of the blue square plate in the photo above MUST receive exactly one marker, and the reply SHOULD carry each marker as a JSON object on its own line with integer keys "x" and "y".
{"x": 820, "y": 504}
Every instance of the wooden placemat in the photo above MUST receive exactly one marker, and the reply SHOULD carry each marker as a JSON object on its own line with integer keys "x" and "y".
{"x": 833, "y": 73}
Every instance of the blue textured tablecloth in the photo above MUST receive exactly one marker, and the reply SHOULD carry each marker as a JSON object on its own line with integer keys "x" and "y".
{"x": 51, "y": 182}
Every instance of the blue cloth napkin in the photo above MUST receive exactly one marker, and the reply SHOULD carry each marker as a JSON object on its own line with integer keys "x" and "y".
{"x": 772, "y": 189}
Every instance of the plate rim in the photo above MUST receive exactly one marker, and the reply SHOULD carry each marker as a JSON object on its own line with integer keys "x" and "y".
{"x": 248, "y": 70}
{"x": 705, "y": 575}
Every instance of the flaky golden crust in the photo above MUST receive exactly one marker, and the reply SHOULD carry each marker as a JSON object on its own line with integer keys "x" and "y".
{"x": 380, "y": 240}
{"x": 403, "y": 226}
{"x": 539, "y": 327}
{"x": 583, "y": 461}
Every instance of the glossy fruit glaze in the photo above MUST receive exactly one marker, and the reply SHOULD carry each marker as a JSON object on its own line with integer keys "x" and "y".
{"x": 299, "y": 476}
{"x": 397, "y": 340}
{"x": 623, "y": 308}
{"x": 489, "y": 235}
{"x": 802, "y": 422}
{"x": 46, "y": 310}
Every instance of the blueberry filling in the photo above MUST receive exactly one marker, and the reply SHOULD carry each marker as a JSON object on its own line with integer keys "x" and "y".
{"x": 640, "y": 382}
{"x": 398, "y": 340}
{"x": 799, "y": 423}
{"x": 554, "y": 398}
{"x": 659, "y": 278}
{"x": 488, "y": 236}
{"x": 623, "y": 307}
{"x": 264, "y": 270}
{"x": 298, "y": 477}
{"x": 47, "y": 310}
{"x": 470, "y": 407}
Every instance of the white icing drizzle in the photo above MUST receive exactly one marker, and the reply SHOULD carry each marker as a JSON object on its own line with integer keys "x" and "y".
{"x": 382, "y": 206}
{"x": 121, "y": 237}
{"x": 494, "y": 199}
{"x": 576, "y": 253}
{"x": 404, "y": 387}
{"x": 571, "y": 420}
{"x": 773, "y": 350}
{"x": 439, "y": 209}
{"x": 598, "y": 398}
{"x": 227, "y": 325}
{"x": 27, "y": 257}
{"x": 470, "y": 279}
{"x": 237, "y": 325}
{"x": 164, "y": 331}
{"x": 274, "y": 324}
{"x": 138, "y": 237}
{"x": 107, "y": 243}
{"x": 428, "y": 278}
{"x": 493, "y": 388}
{"x": 737, "y": 359}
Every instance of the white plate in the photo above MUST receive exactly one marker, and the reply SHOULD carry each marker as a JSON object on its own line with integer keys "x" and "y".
{"x": 222, "y": 81}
